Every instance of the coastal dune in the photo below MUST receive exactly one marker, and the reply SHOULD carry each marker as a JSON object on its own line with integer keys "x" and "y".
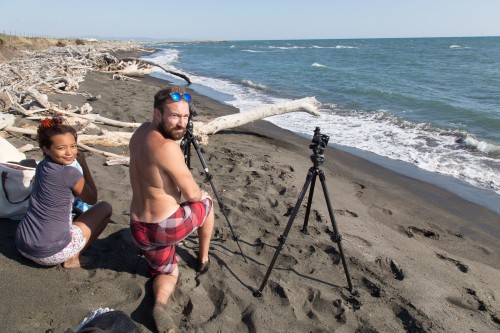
{"x": 417, "y": 260}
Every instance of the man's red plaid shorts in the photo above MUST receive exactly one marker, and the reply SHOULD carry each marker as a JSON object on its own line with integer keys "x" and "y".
{"x": 156, "y": 241}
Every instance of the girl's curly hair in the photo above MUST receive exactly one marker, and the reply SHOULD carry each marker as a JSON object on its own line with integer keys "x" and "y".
{"x": 50, "y": 127}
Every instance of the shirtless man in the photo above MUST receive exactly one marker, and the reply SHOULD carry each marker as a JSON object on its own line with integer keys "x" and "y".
{"x": 158, "y": 218}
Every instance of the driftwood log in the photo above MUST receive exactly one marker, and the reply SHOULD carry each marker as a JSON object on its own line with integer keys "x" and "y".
{"x": 203, "y": 130}
{"x": 185, "y": 77}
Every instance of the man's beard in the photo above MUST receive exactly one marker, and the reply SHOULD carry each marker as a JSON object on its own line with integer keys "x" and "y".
{"x": 173, "y": 133}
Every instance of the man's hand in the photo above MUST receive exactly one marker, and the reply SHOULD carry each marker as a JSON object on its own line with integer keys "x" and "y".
{"x": 80, "y": 157}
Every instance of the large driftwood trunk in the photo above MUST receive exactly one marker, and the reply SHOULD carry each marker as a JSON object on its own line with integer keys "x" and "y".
{"x": 159, "y": 66}
{"x": 203, "y": 130}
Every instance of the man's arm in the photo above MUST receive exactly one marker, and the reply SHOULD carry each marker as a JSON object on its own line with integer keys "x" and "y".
{"x": 172, "y": 162}
{"x": 85, "y": 189}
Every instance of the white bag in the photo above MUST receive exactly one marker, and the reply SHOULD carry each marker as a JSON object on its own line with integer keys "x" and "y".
{"x": 16, "y": 182}
{"x": 9, "y": 152}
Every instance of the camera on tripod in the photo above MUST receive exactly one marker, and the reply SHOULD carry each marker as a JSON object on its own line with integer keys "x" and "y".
{"x": 319, "y": 144}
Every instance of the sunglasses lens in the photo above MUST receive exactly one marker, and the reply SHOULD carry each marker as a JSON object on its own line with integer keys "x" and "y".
{"x": 187, "y": 97}
{"x": 175, "y": 96}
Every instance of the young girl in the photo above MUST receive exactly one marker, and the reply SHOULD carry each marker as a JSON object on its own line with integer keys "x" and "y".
{"x": 47, "y": 235}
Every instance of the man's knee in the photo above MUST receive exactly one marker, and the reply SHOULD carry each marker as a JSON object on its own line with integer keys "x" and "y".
{"x": 167, "y": 278}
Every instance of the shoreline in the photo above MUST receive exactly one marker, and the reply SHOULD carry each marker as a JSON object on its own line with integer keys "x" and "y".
{"x": 414, "y": 252}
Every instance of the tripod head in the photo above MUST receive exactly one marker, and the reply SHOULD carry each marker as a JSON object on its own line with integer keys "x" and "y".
{"x": 189, "y": 126}
{"x": 192, "y": 112}
{"x": 318, "y": 146}
{"x": 188, "y": 135}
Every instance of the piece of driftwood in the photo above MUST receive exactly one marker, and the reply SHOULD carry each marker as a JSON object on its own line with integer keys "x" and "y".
{"x": 107, "y": 138}
{"x": 202, "y": 130}
{"x": 26, "y": 147}
{"x": 20, "y": 130}
{"x": 98, "y": 151}
{"x": 112, "y": 139}
{"x": 39, "y": 98}
{"x": 97, "y": 118}
{"x": 119, "y": 77}
{"x": 6, "y": 120}
{"x": 135, "y": 68}
{"x": 5, "y": 101}
{"x": 67, "y": 84}
{"x": 19, "y": 108}
{"x": 121, "y": 160}
{"x": 185, "y": 77}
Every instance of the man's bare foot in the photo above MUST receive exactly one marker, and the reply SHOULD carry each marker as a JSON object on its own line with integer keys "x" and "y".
{"x": 78, "y": 262}
{"x": 163, "y": 321}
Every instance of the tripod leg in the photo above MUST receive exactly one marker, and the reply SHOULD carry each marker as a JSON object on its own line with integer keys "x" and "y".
{"x": 282, "y": 238}
{"x": 309, "y": 202}
{"x": 209, "y": 177}
{"x": 186, "y": 149}
{"x": 335, "y": 229}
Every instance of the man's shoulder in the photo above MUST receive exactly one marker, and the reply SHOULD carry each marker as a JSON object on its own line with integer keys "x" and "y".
{"x": 147, "y": 139}
{"x": 144, "y": 135}
{"x": 142, "y": 130}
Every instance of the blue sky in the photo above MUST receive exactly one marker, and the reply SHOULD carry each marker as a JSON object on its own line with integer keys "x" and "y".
{"x": 248, "y": 20}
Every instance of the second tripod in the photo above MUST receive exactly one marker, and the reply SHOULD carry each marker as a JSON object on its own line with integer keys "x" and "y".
{"x": 320, "y": 142}
{"x": 190, "y": 138}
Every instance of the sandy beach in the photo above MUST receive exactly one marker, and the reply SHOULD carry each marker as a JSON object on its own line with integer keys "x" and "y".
{"x": 420, "y": 258}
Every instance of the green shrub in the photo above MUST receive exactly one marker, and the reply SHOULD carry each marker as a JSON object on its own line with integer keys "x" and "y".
{"x": 80, "y": 42}
{"x": 61, "y": 43}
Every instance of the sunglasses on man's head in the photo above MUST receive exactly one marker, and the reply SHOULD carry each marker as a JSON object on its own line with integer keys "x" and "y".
{"x": 175, "y": 96}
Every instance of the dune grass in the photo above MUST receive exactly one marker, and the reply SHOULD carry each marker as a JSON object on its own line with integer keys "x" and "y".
{"x": 11, "y": 45}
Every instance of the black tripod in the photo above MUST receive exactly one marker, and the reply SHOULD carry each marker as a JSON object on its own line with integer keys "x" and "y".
{"x": 320, "y": 142}
{"x": 188, "y": 139}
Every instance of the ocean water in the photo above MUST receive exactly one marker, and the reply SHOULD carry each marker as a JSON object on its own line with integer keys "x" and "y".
{"x": 425, "y": 106}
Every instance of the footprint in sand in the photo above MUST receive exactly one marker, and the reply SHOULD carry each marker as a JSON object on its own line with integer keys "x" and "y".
{"x": 359, "y": 189}
{"x": 386, "y": 211}
{"x": 278, "y": 290}
{"x": 318, "y": 305}
{"x": 392, "y": 266}
{"x": 376, "y": 209}
{"x": 333, "y": 254}
{"x": 258, "y": 245}
{"x": 411, "y": 231}
{"x": 274, "y": 203}
{"x": 372, "y": 288}
{"x": 462, "y": 267}
{"x": 200, "y": 306}
{"x": 286, "y": 261}
{"x": 410, "y": 323}
{"x": 468, "y": 300}
{"x": 248, "y": 318}
{"x": 360, "y": 241}
{"x": 345, "y": 212}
